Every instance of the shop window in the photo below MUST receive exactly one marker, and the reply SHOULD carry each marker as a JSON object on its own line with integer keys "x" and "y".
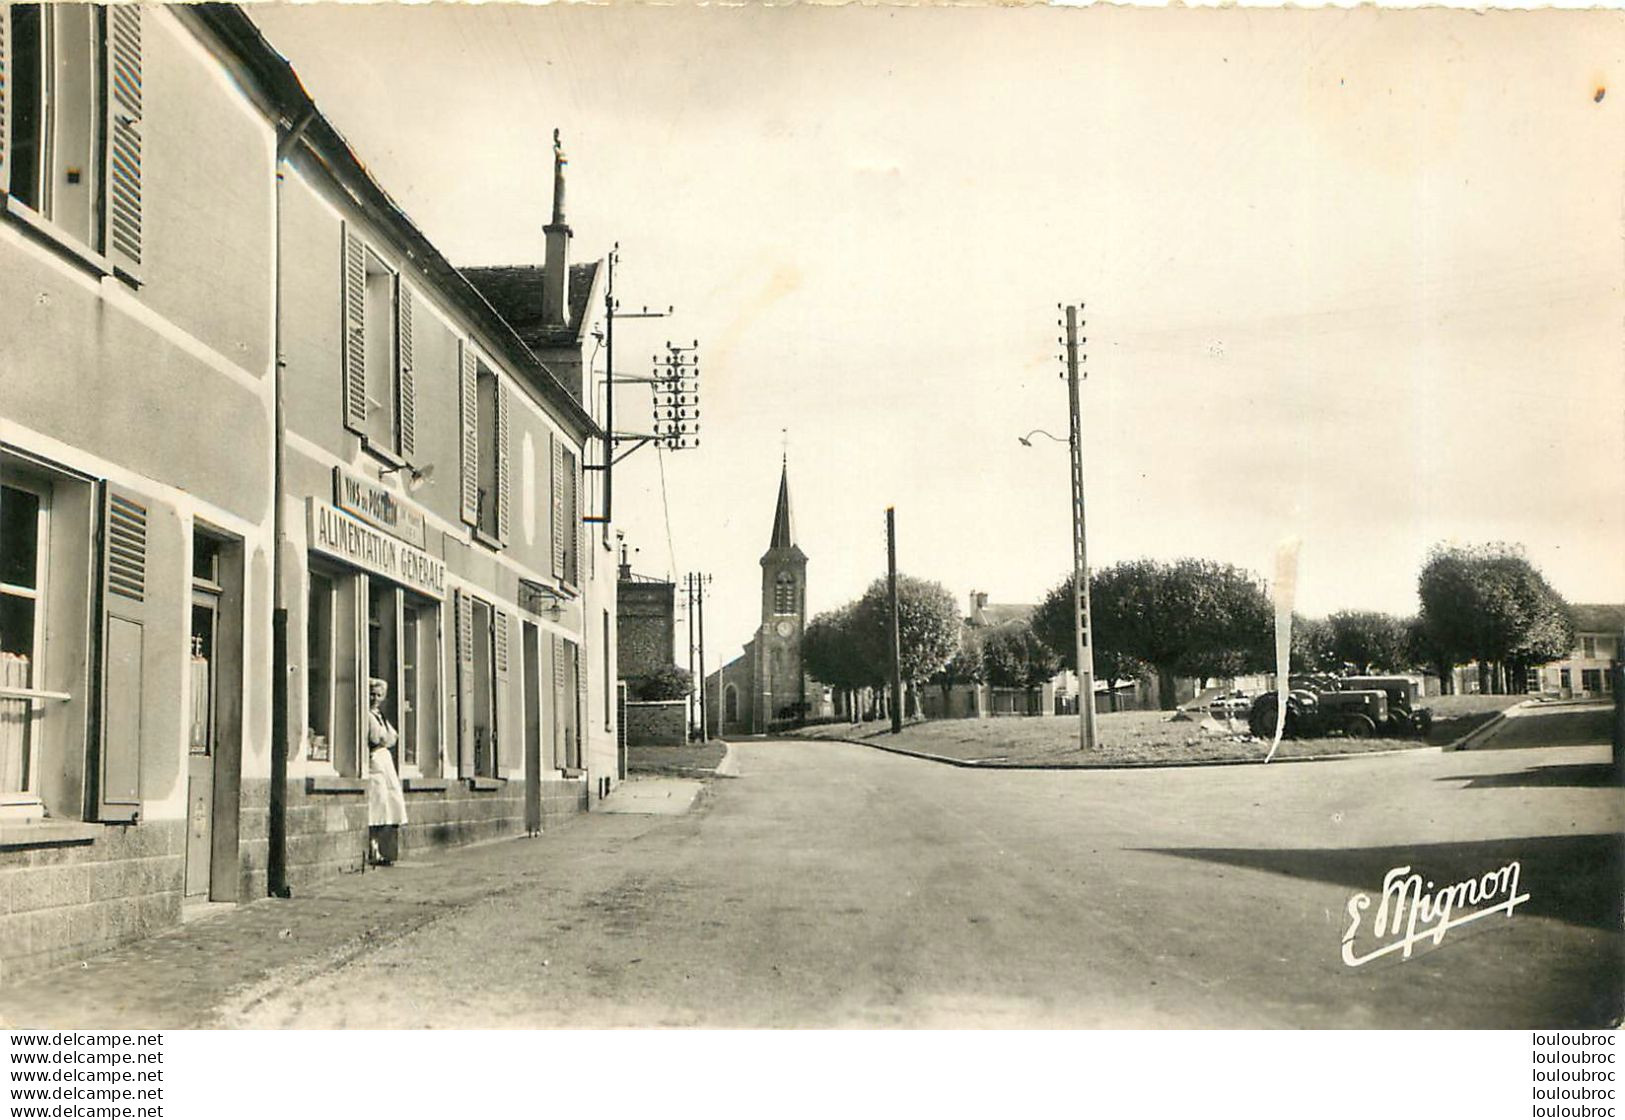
{"x": 482, "y": 690}
{"x": 403, "y": 649}
{"x": 319, "y": 668}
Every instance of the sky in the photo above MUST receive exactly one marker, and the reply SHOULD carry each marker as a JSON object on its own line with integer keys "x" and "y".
{"x": 1351, "y": 276}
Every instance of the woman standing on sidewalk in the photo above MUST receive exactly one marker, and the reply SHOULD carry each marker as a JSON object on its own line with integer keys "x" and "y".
{"x": 386, "y": 804}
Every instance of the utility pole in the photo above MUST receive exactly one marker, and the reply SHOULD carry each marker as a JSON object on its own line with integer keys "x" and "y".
{"x": 700, "y": 580}
{"x": 1080, "y": 557}
{"x": 896, "y": 638}
{"x": 694, "y": 682}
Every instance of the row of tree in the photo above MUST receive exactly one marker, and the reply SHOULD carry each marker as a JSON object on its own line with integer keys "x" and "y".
{"x": 1202, "y": 619}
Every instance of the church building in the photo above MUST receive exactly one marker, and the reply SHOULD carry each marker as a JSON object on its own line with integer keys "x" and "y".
{"x": 767, "y": 686}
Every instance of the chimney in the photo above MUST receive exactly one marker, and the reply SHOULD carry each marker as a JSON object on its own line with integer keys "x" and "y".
{"x": 626, "y": 565}
{"x": 556, "y": 268}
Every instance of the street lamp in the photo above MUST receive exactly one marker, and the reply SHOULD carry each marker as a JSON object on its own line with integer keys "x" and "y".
{"x": 1084, "y": 650}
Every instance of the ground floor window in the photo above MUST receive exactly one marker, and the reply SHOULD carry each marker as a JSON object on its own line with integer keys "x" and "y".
{"x": 24, "y": 533}
{"x": 1591, "y": 680}
{"x": 361, "y": 627}
{"x": 485, "y": 741}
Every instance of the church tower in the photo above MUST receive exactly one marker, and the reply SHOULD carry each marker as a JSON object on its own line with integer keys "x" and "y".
{"x": 780, "y": 681}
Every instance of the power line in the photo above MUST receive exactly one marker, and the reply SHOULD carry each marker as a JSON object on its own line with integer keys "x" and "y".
{"x": 671, "y": 550}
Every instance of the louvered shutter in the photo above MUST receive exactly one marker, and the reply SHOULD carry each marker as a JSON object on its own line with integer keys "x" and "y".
{"x": 507, "y": 737}
{"x": 123, "y": 671}
{"x": 502, "y": 463}
{"x": 403, "y": 354}
{"x": 464, "y": 607}
{"x": 5, "y": 101}
{"x": 558, "y": 507}
{"x": 355, "y": 332}
{"x": 582, "y": 709}
{"x": 468, "y": 391}
{"x": 561, "y": 756}
{"x": 124, "y": 124}
{"x": 578, "y": 537}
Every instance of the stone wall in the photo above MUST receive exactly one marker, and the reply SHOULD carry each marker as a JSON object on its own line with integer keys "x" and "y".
{"x": 657, "y": 723}
{"x": 644, "y": 621}
{"x": 65, "y": 902}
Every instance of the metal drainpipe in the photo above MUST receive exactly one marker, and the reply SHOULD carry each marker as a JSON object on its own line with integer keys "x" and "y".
{"x": 276, "y": 860}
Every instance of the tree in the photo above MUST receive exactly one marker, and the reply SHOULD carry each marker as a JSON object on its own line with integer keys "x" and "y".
{"x": 1429, "y": 649}
{"x": 833, "y": 653}
{"x": 1491, "y": 605}
{"x": 1370, "y": 641}
{"x": 928, "y": 628}
{"x": 1052, "y": 622}
{"x": 1014, "y": 657}
{"x": 1186, "y": 618}
{"x": 1312, "y": 645}
{"x": 964, "y": 666}
{"x": 670, "y": 682}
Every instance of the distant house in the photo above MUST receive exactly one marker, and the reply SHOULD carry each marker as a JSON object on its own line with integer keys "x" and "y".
{"x": 1598, "y": 631}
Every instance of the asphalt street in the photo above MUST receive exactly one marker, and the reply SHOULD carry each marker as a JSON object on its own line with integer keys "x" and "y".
{"x": 834, "y": 885}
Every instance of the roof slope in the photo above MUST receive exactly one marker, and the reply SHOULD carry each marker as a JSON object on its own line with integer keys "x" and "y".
{"x": 1598, "y": 618}
{"x": 515, "y": 292}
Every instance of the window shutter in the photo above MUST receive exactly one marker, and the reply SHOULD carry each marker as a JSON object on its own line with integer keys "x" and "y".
{"x": 578, "y": 538}
{"x": 561, "y": 756}
{"x": 582, "y": 708}
{"x": 355, "y": 332}
{"x": 506, "y": 743}
{"x": 465, "y": 683}
{"x": 123, "y": 161}
{"x": 558, "y": 507}
{"x": 408, "y": 411}
{"x": 5, "y": 102}
{"x": 123, "y": 670}
{"x": 502, "y": 463}
{"x": 468, "y": 390}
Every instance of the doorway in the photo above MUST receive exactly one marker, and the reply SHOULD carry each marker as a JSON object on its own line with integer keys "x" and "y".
{"x": 530, "y": 669}
{"x": 214, "y": 736}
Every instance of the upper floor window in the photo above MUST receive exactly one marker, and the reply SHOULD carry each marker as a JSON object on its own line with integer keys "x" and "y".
{"x": 70, "y": 87}
{"x": 784, "y": 594}
{"x": 379, "y": 394}
{"x": 488, "y": 390}
{"x": 1588, "y": 646}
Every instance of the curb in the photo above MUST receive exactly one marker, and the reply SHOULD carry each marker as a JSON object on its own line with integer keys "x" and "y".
{"x": 729, "y": 766}
{"x": 1483, "y": 730}
{"x": 973, "y": 764}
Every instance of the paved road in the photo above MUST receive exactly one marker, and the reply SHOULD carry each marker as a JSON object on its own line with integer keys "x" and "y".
{"x": 834, "y": 885}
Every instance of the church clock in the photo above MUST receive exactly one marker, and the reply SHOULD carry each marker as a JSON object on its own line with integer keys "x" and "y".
{"x": 785, "y": 628}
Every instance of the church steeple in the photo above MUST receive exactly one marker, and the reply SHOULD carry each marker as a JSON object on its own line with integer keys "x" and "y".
{"x": 784, "y": 533}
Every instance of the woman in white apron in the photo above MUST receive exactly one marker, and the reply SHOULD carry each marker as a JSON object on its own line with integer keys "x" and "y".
{"x": 386, "y": 804}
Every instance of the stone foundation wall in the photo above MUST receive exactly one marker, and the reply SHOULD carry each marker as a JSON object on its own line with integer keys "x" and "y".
{"x": 657, "y": 723}
{"x": 65, "y": 902}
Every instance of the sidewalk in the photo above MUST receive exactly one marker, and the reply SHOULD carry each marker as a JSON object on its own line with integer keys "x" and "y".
{"x": 203, "y": 973}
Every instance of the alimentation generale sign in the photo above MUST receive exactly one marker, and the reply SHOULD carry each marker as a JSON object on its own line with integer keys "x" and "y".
{"x": 337, "y": 534}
